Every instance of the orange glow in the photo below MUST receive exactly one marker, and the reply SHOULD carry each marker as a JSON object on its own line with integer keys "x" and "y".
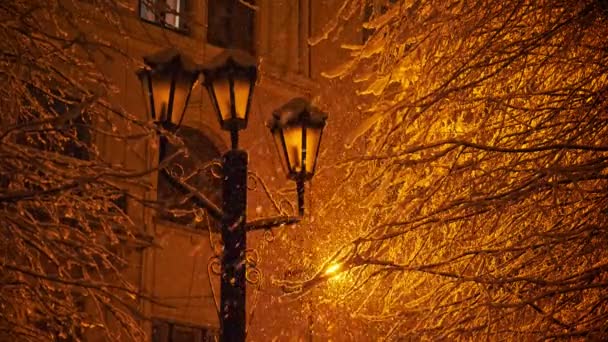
{"x": 333, "y": 269}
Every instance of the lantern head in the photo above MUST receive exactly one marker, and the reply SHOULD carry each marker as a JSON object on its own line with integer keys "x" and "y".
{"x": 297, "y": 128}
{"x": 167, "y": 81}
{"x": 230, "y": 78}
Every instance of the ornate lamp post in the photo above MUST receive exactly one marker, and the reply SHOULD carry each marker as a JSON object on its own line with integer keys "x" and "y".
{"x": 297, "y": 127}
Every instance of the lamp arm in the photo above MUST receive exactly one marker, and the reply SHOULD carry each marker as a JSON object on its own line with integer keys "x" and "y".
{"x": 272, "y": 222}
{"x": 213, "y": 210}
{"x": 252, "y": 184}
{"x": 280, "y": 220}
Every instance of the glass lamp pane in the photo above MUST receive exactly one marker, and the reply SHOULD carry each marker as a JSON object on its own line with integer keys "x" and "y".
{"x": 161, "y": 85}
{"x": 221, "y": 91}
{"x": 278, "y": 142}
{"x": 293, "y": 144}
{"x": 313, "y": 136}
{"x": 183, "y": 86}
{"x": 242, "y": 87}
{"x": 144, "y": 77}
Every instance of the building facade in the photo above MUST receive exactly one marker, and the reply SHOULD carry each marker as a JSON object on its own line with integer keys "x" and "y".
{"x": 178, "y": 271}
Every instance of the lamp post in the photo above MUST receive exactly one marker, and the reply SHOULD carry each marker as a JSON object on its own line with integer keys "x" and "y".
{"x": 230, "y": 79}
{"x": 297, "y": 128}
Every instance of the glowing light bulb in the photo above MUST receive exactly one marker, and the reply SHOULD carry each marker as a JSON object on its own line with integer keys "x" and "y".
{"x": 332, "y": 269}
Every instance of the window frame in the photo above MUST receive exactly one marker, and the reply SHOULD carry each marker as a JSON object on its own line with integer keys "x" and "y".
{"x": 159, "y": 21}
{"x": 169, "y": 327}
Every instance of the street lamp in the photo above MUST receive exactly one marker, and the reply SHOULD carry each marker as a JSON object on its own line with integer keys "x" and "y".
{"x": 167, "y": 81}
{"x": 297, "y": 127}
{"x": 230, "y": 79}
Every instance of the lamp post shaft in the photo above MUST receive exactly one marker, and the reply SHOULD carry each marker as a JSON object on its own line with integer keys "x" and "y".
{"x": 300, "y": 190}
{"x": 233, "y": 282}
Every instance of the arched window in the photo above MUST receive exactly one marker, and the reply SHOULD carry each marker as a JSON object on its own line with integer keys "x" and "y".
{"x": 195, "y": 168}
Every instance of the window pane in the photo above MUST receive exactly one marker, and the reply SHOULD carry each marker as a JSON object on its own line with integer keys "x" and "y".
{"x": 172, "y": 17}
{"x": 243, "y": 26}
{"x": 165, "y": 331}
{"x": 145, "y": 10}
{"x": 183, "y": 334}
{"x": 230, "y": 24}
{"x": 218, "y": 22}
{"x": 166, "y": 12}
{"x": 160, "y": 331}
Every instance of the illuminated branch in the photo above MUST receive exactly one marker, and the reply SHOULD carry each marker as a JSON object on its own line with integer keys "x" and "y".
{"x": 201, "y": 199}
{"x": 272, "y": 222}
{"x": 475, "y": 184}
